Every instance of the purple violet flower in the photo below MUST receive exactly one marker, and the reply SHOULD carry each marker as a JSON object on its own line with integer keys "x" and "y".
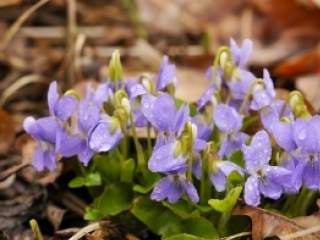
{"x": 172, "y": 187}
{"x": 161, "y": 112}
{"x": 263, "y": 94}
{"x": 306, "y": 134}
{"x": 166, "y": 157}
{"x": 166, "y": 75}
{"x": 280, "y": 130}
{"x": 229, "y": 122}
{"x": 241, "y": 54}
{"x": 264, "y": 179}
{"x": 219, "y": 174}
{"x": 44, "y": 131}
{"x": 52, "y": 139}
{"x": 60, "y": 107}
{"x": 239, "y": 85}
{"x": 106, "y": 134}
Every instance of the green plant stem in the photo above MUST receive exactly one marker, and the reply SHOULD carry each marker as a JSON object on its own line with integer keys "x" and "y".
{"x": 149, "y": 143}
{"x": 304, "y": 201}
{"x": 204, "y": 184}
{"x": 124, "y": 147}
{"x": 35, "y": 229}
{"x": 224, "y": 218}
{"x": 290, "y": 201}
{"x": 140, "y": 155}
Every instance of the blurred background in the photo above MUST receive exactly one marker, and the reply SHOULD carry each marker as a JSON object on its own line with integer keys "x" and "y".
{"x": 72, "y": 41}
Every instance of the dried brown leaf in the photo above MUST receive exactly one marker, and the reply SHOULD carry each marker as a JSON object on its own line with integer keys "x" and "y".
{"x": 301, "y": 64}
{"x": 267, "y": 224}
{"x": 309, "y": 86}
{"x": 7, "y": 131}
{"x": 55, "y": 215}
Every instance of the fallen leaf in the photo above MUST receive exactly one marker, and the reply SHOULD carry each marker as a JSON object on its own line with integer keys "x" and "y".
{"x": 301, "y": 64}
{"x": 309, "y": 85}
{"x": 267, "y": 224}
{"x": 55, "y": 215}
{"x": 7, "y": 131}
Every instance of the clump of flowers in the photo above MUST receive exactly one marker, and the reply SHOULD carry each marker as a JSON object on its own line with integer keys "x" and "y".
{"x": 181, "y": 167}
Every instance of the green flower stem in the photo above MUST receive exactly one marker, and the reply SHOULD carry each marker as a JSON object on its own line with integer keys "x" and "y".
{"x": 189, "y": 171}
{"x": 140, "y": 155}
{"x": 224, "y": 218}
{"x": 288, "y": 204}
{"x": 205, "y": 189}
{"x": 149, "y": 143}
{"x": 124, "y": 147}
{"x": 305, "y": 199}
{"x": 35, "y": 229}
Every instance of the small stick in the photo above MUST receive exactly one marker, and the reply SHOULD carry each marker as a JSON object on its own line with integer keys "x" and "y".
{"x": 71, "y": 38}
{"x": 16, "y": 26}
{"x": 18, "y": 84}
{"x": 90, "y": 228}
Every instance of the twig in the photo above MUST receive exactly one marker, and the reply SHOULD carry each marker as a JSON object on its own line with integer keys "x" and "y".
{"x": 242, "y": 234}
{"x": 90, "y": 228}
{"x": 18, "y": 84}
{"x": 301, "y": 233}
{"x": 12, "y": 170}
{"x": 71, "y": 38}
{"x": 16, "y": 26}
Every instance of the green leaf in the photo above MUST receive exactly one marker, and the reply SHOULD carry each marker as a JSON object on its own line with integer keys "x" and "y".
{"x": 201, "y": 227}
{"x": 117, "y": 197}
{"x": 77, "y": 182}
{"x": 92, "y": 179}
{"x": 127, "y": 170}
{"x": 108, "y": 166}
{"x": 234, "y": 179}
{"x": 183, "y": 209}
{"x": 184, "y": 236}
{"x": 92, "y": 214}
{"x": 150, "y": 181}
{"x": 159, "y": 219}
{"x": 237, "y": 158}
{"x": 227, "y": 204}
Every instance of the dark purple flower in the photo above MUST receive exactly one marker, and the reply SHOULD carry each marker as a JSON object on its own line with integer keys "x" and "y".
{"x": 166, "y": 75}
{"x": 106, "y": 134}
{"x": 172, "y": 187}
{"x": 263, "y": 93}
{"x": 264, "y": 179}
{"x": 241, "y": 54}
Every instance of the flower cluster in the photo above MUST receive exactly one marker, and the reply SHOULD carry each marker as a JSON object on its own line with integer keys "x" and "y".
{"x": 191, "y": 143}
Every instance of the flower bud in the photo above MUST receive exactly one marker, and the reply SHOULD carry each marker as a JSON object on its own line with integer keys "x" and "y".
{"x": 115, "y": 67}
{"x": 126, "y": 105}
{"x": 296, "y": 102}
{"x": 119, "y": 95}
{"x": 73, "y": 93}
{"x": 147, "y": 83}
